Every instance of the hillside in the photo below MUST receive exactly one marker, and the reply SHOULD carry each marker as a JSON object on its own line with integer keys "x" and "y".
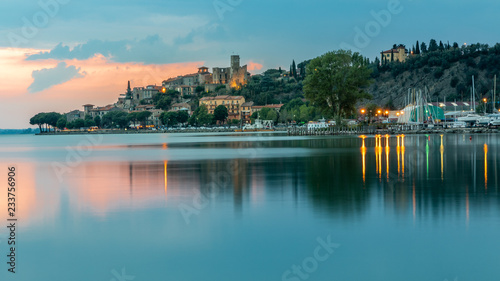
{"x": 446, "y": 73}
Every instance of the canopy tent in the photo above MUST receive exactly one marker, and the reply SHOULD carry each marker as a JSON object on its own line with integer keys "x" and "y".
{"x": 420, "y": 114}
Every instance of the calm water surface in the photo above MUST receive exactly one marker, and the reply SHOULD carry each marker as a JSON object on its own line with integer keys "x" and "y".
{"x": 253, "y": 207}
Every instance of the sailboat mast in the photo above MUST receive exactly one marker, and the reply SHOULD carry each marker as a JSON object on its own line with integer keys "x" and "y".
{"x": 494, "y": 94}
{"x": 473, "y": 95}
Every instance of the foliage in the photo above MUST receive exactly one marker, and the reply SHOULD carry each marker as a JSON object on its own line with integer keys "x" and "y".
{"x": 76, "y": 124}
{"x": 182, "y": 116}
{"x": 169, "y": 118}
{"x": 115, "y": 119}
{"x": 173, "y": 118}
{"x": 61, "y": 122}
{"x": 335, "y": 82}
{"x": 97, "y": 121}
{"x": 47, "y": 119}
{"x": 88, "y": 123}
{"x": 221, "y": 113}
{"x": 201, "y": 117}
{"x": 143, "y": 116}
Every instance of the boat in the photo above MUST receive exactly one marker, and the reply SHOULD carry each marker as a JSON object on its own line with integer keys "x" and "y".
{"x": 320, "y": 124}
{"x": 483, "y": 121}
{"x": 258, "y": 126}
{"x": 494, "y": 119}
{"x": 470, "y": 118}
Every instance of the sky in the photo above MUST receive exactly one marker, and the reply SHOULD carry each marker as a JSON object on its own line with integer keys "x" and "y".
{"x": 56, "y": 55}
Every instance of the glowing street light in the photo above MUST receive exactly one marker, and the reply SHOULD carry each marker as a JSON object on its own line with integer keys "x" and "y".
{"x": 363, "y": 111}
{"x": 379, "y": 111}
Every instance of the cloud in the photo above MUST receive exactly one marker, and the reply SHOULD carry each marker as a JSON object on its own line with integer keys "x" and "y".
{"x": 150, "y": 50}
{"x": 48, "y": 77}
{"x": 252, "y": 66}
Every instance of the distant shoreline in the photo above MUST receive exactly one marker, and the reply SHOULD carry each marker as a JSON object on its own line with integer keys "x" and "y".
{"x": 127, "y": 132}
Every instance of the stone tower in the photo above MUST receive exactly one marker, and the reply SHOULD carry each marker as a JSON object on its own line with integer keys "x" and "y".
{"x": 235, "y": 62}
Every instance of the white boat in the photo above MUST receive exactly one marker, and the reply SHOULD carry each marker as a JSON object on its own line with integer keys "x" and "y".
{"x": 470, "y": 118}
{"x": 321, "y": 124}
{"x": 259, "y": 125}
{"x": 483, "y": 121}
{"x": 494, "y": 119}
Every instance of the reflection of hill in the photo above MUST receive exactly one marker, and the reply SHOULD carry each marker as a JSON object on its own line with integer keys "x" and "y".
{"x": 335, "y": 184}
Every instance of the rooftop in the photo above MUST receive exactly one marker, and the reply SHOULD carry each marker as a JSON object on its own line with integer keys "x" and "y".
{"x": 223, "y": 97}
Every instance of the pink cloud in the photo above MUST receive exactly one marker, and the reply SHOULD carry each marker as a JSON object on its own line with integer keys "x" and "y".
{"x": 254, "y": 66}
{"x": 103, "y": 82}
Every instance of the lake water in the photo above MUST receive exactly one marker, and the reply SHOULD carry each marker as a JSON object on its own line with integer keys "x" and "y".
{"x": 252, "y": 207}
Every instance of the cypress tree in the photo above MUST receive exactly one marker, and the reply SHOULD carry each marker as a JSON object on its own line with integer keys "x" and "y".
{"x": 441, "y": 46}
{"x": 294, "y": 69}
{"x": 417, "y": 49}
{"x": 423, "y": 48}
{"x": 128, "y": 93}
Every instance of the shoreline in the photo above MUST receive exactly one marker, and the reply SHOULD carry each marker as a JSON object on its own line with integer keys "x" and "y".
{"x": 289, "y": 132}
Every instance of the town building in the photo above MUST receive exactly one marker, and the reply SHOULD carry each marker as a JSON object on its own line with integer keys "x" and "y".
{"x": 187, "y": 84}
{"x": 73, "y": 115}
{"x": 246, "y": 111}
{"x": 89, "y": 109}
{"x": 400, "y": 54}
{"x": 276, "y": 107}
{"x": 257, "y": 108}
{"x": 232, "y": 103}
{"x": 181, "y": 106}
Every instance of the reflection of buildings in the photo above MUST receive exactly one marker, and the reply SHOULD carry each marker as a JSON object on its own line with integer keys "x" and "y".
{"x": 415, "y": 188}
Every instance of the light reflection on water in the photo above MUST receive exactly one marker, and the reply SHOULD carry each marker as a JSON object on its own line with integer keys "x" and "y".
{"x": 402, "y": 207}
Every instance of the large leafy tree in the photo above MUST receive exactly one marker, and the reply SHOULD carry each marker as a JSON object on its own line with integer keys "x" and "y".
{"x": 169, "y": 118}
{"x": 115, "y": 119}
{"x": 97, "y": 121}
{"x": 336, "y": 81}
{"x": 38, "y": 119}
{"x": 61, "y": 123}
{"x": 220, "y": 113}
{"x": 182, "y": 116}
{"x": 201, "y": 116}
{"x": 51, "y": 119}
{"x": 143, "y": 116}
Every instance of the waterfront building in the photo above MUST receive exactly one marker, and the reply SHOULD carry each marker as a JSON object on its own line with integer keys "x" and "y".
{"x": 232, "y": 103}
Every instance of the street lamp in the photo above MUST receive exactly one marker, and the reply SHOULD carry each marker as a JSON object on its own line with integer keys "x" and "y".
{"x": 485, "y": 100}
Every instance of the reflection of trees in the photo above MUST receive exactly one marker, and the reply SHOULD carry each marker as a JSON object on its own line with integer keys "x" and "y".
{"x": 335, "y": 183}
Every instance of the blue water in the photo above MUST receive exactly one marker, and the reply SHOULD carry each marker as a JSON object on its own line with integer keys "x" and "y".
{"x": 253, "y": 207}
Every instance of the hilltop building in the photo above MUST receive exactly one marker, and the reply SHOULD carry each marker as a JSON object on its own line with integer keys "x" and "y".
{"x": 395, "y": 54}
{"x": 234, "y": 76}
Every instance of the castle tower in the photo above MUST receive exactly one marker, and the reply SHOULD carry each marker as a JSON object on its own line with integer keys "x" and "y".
{"x": 235, "y": 62}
